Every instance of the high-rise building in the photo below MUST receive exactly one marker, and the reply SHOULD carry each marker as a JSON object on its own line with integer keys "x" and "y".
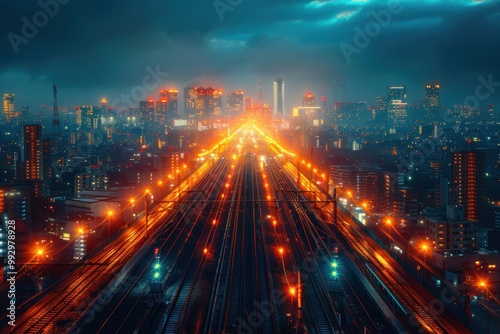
{"x": 202, "y": 102}
{"x": 279, "y": 98}
{"x": 190, "y": 97}
{"x": 380, "y": 109}
{"x": 397, "y": 107}
{"x": 468, "y": 182}
{"x": 147, "y": 112}
{"x": 32, "y": 152}
{"x": 450, "y": 231}
{"x": 308, "y": 100}
{"x": 25, "y": 115}
{"x": 366, "y": 183}
{"x": 9, "y": 110}
{"x": 171, "y": 97}
{"x": 235, "y": 103}
{"x": 88, "y": 117}
{"x": 162, "y": 111}
{"x": 432, "y": 105}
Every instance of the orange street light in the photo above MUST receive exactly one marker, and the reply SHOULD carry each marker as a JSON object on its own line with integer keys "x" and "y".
{"x": 281, "y": 250}
{"x": 110, "y": 213}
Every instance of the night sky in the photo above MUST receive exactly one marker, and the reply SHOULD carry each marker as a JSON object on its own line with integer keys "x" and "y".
{"x": 95, "y": 49}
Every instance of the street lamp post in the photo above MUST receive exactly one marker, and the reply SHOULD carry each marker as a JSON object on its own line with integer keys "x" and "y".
{"x": 292, "y": 292}
{"x": 424, "y": 248}
{"x": 110, "y": 213}
{"x": 132, "y": 205}
{"x": 146, "y": 210}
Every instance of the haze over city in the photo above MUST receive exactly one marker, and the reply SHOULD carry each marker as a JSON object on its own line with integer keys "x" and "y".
{"x": 250, "y": 166}
{"x": 100, "y": 50}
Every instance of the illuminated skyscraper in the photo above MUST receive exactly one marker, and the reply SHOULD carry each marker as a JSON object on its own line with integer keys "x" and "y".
{"x": 25, "y": 115}
{"x": 190, "y": 97}
{"x": 203, "y": 102}
{"x": 8, "y": 107}
{"x": 32, "y": 152}
{"x": 88, "y": 117}
{"x": 308, "y": 100}
{"x": 162, "y": 110}
{"x": 432, "y": 106}
{"x": 235, "y": 103}
{"x": 381, "y": 109}
{"x": 396, "y": 107}
{"x": 170, "y": 98}
{"x": 468, "y": 183}
{"x": 147, "y": 112}
{"x": 279, "y": 98}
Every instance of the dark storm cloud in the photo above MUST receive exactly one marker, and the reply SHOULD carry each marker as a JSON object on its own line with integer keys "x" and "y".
{"x": 96, "y": 49}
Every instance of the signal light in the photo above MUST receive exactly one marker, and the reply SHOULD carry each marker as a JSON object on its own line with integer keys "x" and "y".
{"x": 156, "y": 251}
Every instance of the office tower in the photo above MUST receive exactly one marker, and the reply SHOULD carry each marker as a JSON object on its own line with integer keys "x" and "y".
{"x": 147, "y": 112}
{"x": 202, "y": 102}
{"x": 32, "y": 152}
{"x": 397, "y": 107}
{"x": 162, "y": 111}
{"x": 468, "y": 182}
{"x": 432, "y": 106}
{"x": 104, "y": 109}
{"x": 380, "y": 109}
{"x": 279, "y": 98}
{"x": 217, "y": 102}
{"x": 190, "y": 97}
{"x": 308, "y": 100}
{"x": 235, "y": 103}
{"x": 171, "y": 97}
{"x": 55, "y": 112}
{"x": 25, "y": 115}
{"x": 88, "y": 117}
{"x": 9, "y": 107}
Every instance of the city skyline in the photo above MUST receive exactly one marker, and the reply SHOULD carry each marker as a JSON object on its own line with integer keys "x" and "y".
{"x": 307, "y": 43}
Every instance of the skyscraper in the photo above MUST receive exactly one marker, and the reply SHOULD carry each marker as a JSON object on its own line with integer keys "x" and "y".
{"x": 468, "y": 183}
{"x": 8, "y": 107}
{"x": 432, "y": 106}
{"x": 190, "y": 96}
{"x": 381, "y": 109}
{"x": 308, "y": 100}
{"x": 172, "y": 97}
{"x": 147, "y": 113}
{"x": 162, "y": 110}
{"x": 203, "y": 102}
{"x": 32, "y": 152}
{"x": 235, "y": 103}
{"x": 279, "y": 98}
{"x": 396, "y": 107}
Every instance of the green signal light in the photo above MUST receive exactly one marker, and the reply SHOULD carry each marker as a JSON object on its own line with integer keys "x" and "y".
{"x": 157, "y": 266}
{"x": 334, "y": 264}
{"x": 334, "y": 273}
{"x": 157, "y": 275}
